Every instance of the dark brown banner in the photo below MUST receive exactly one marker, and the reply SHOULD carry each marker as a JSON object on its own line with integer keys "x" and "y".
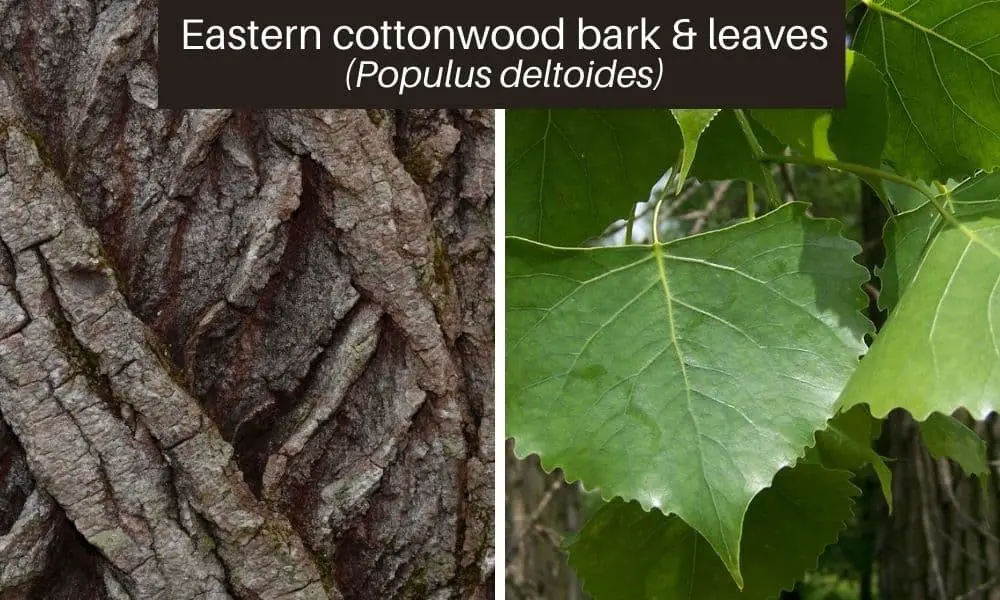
{"x": 514, "y": 54}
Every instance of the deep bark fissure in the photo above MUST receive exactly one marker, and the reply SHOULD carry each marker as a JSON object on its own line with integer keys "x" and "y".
{"x": 314, "y": 287}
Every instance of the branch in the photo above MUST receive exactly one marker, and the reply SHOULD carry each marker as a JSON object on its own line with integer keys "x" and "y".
{"x": 711, "y": 207}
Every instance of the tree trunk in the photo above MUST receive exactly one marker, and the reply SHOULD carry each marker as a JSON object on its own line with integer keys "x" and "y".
{"x": 943, "y": 539}
{"x": 242, "y": 354}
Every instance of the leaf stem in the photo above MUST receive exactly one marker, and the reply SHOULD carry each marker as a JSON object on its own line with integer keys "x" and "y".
{"x": 758, "y": 152}
{"x": 946, "y": 193}
{"x": 656, "y": 221}
{"x": 751, "y": 202}
{"x": 667, "y": 186}
{"x": 863, "y": 171}
{"x": 660, "y": 197}
{"x": 856, "y": 169}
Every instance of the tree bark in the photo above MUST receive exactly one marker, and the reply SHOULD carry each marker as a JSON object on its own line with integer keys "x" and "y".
{"x": 943, "y": 539}
{"x": 243, "y": 354}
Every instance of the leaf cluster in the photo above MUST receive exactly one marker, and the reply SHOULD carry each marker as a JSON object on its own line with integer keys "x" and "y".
{"x": 717, "y": 389}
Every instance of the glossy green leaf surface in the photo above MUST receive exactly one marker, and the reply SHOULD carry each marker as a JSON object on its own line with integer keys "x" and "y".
{"x": 683, "y": 375}
{"x": 940, "y": 346}
{"x": 941, "y": 61}
{"x": 908, "y": 234}
{"x": 625, "y": 553}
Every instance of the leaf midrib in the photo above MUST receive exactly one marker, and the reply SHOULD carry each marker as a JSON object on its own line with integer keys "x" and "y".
{"x": 661, "y": 266}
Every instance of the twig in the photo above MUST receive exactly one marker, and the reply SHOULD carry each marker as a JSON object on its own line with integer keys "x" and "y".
{"x": 684, "y": 197}
{"x": 949, "y": 493}
{"x": 786, "y": 177}
{"x": 551, "y": 535}
{"x": 536, "y": 514}
{"x": 713, "y": 204}
{"x": 674, "y": 205}
{"x": 982, "y": 587}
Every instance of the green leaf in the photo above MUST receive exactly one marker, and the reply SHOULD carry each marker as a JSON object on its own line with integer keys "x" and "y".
{"x": 854, "y": 134}
{"x": 908, "y": 234}
{"x": 939, "y": 348}
{"x": 692, "y": 123}
{"x": 683, "y": 375}
{"x": 947, "y": 437}
{"x": 625, "y": 553}
{"x": 846, "y": 443}
{"x": 724, "y": 153}
{"x": 905, "y": 238}
{"x": 941, "y": 60}
{"x": 904, "y": 197}
{"x": 571, "y": 173}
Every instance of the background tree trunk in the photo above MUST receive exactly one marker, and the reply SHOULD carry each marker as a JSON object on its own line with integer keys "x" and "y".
{"x": 943, "y": 540}
{"x": 541, "y": 510}
{"x": 242, "y": 354}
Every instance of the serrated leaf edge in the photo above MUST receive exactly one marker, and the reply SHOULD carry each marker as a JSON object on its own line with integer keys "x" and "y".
{"x": 785, "y": 587}
{"x": 688, "y": 161}
{"x": 835, "y": 227}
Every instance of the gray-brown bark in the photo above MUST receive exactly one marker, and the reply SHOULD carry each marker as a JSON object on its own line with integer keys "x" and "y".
{"x": 242, "y": 354}
{"x": 943, "y": 539}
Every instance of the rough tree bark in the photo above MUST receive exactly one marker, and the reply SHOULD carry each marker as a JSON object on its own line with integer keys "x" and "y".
{"x": 242, "y": 354}
{"x": 943, "y": 539}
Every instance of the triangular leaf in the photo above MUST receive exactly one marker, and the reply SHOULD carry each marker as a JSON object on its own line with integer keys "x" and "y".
{"x": 626, "y": 553}
{"x": 941, "y": 60}
{"x": 692, "y": 122}
{"x": 683, "y": 375}
{"x": 846, "y": 443}
{"x": 946, "y": 437}
{"x": 939, "y": 348}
